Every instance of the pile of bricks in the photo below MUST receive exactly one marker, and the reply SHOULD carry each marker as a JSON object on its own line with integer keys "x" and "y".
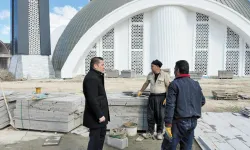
{"x": 246, "y": 112}
{"x": 224, "y": 95}
{"x": 59, "y": 114}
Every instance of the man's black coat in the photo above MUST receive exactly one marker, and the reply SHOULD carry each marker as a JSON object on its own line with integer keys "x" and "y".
{"x": 96, "y": 103}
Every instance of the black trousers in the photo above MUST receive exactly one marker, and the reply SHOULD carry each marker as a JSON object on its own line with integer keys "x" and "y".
{"x": 96, "y": 138}
{"x": 155, "y": 112}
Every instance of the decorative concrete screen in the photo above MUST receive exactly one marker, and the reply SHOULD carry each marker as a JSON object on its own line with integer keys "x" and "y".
{"x": 91, "y": 54}
{"x": 247, "y": 60}
{"x": 201, "y": 43}
{"x": 233, "y": 51}
{"x": 34, "y": 28}
{"x": 136, "y": 43}
{"x": 108, "y": 49}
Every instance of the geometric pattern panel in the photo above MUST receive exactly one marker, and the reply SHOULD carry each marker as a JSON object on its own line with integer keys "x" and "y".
{"x": 137, "y": 62}
{"x": 232, "y": 61}
{"x": 201, "y": 61}
{"x": 247, "y": 46}
{"x": 201, "y": 17}
{"x": 233, "y": 39}
{"x": 202, "y": 36}
{"x": 136, "y": 36}
{"x": 137, "y": 18}
{"x": 34, "y": 27}
{"x": 91, "y": 54}
{"x": 108, "y": 57}
{"x": 247, "y": 63}
{"x": 108, "y": 40}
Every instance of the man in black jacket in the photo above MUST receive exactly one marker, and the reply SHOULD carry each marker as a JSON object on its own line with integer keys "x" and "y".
{"x": 96, "y": 114}
{"x": 183, "y": 108}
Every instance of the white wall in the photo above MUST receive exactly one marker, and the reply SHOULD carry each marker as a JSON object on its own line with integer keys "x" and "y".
{"x": 121, "y": 42}
{"x": 217, "y": 39}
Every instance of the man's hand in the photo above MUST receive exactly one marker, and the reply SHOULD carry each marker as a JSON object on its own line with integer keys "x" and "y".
{"x": 164, "y": 102}
{"x": 168, "y": 133}
{"x": 139, "y": 93}
{"x": 102, "y": 119}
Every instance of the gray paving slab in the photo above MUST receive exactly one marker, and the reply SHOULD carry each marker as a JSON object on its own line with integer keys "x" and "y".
{"x": 238, "y": 145}
{"x": 221, "y": 127}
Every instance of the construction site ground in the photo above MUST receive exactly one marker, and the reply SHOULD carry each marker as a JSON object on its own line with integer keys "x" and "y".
{"x": 28, "y": 140}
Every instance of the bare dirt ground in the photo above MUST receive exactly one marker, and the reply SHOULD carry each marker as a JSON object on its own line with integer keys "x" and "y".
{"x": 241, "y": 85}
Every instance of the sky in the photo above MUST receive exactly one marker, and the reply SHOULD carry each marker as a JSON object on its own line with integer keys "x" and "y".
{"x": 61, "y": 12}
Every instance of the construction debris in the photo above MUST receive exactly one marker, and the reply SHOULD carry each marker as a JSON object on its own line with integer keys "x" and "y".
{"x": 246, "y": 112}
{"x": 119, "y": 133}
{"x": 83, "y": 131}
{"x": 224, "y": 95}
{"x": 60, "y": 114}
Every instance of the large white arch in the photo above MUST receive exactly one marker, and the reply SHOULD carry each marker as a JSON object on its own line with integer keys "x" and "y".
{"x": 208, "y": 7}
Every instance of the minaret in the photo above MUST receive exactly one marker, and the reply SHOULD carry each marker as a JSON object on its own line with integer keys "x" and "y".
{"x": 30, "y": 39}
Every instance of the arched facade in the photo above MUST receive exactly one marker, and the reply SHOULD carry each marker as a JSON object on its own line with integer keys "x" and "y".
{"x": 210, "y": 35}
{"x": 4, "y": 55}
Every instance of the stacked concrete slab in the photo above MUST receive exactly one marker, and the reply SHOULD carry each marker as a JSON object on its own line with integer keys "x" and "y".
{"x": 125, "y": 108}
{"x": 59, "y": 114}
{"x": 4, "y": 116}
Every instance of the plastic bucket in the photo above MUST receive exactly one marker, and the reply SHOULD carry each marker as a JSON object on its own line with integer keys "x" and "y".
{"x": 38, "y": 90}
{"x": 132, "y": 131}
{"x": 131, "y": 128}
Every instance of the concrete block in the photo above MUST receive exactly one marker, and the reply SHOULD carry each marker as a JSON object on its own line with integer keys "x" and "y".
{"x": 112, "y": 73}
{"x": 128, "y": 74}
{"x": 117, "y": 143}
{"x": 225, "y": 74}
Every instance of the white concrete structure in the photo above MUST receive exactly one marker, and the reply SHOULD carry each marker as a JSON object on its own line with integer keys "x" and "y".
{"x": 209, "y": 35}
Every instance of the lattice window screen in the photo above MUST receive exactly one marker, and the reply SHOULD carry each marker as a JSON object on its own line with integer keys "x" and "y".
{"x": 137, "y": 36}
{"x": 108, "y": 40}
{"x": 201, "y": 60}
{"x": 201, "y": 43}
{"x": 233, "y": 39}
{"x": 136, "y": 43}
{"x": 232, "y": 61}
{"x": 247, "y": 46}
{"x": 137, "y": 61}
{"x": 108, "y": 57}
{"x": 34, "y": 27}
{"x": 138, "y": 18}
{"x": 202, "y": 36}
{"x": 201, "y": 17}
{"x": 91, "y": 54}
{"x": 247, "y": 62}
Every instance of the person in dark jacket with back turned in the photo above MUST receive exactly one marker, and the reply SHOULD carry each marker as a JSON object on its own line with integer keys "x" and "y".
{"x": 96, "y": 114}
{"x": 183, "y": 108}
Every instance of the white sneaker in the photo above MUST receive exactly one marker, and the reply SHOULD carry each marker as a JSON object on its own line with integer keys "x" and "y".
{"x": 159, "y": 136}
